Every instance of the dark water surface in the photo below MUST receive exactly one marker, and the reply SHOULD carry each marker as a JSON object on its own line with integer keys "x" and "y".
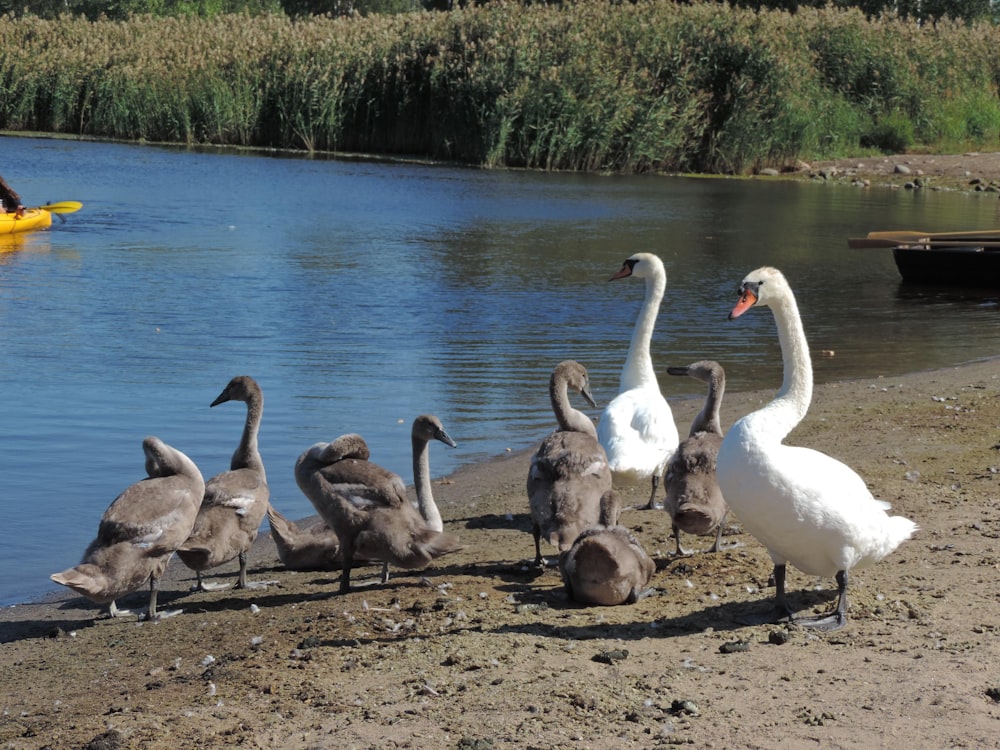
{"x": 360, "y": 294}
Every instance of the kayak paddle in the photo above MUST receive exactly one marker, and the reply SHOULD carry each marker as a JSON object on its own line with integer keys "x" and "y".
{"x": 63, "y": 207}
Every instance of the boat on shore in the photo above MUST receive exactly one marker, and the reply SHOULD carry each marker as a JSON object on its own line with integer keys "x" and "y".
{"x": 952, "y": 258}
{"x": 30, "y": 220}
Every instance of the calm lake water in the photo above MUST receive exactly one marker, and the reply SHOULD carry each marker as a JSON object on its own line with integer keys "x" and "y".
{"x": 360, "y": 294}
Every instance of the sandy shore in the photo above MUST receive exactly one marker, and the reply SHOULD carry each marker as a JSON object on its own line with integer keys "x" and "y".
{"x": 968, "y": 172}
{"x": 483, "y": 651}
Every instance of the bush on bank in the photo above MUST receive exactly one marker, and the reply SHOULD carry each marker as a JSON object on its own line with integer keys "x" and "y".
{"x": 584, "y": 86}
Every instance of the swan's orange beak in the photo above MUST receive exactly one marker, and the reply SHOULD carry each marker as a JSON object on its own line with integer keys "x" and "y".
{"x": 747, "y": 300}
{"x": 625, "y": 270}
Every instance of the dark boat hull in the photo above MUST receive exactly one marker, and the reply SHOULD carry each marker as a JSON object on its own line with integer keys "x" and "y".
{"x": 959, "y": 266}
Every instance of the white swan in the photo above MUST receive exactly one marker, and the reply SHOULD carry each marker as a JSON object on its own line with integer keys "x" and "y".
{"x": 807, "y": 508}
{"x": 637, "y": 428}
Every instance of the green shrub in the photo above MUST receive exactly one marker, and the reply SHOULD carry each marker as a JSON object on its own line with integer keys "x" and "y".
{"x": 631, "y": 87}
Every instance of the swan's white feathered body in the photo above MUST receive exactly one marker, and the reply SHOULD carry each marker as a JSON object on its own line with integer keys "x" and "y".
{"x": 637, "y": 427}
{"x": 807, "y": 508}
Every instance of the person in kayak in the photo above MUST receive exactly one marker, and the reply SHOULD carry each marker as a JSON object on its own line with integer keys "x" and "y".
{"x": 11, "y": 201}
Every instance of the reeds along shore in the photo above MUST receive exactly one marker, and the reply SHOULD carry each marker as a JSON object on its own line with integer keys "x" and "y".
{"x": 585, "y": 86}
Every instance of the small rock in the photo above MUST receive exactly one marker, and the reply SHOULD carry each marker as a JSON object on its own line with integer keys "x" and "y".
{"x": 778, "y": 637}
{"x": 679, "y": 707}
{"x": 110, "y": 740}
{"x": 902, "y": 169}
{"x": 733, "y": 647}
{"x": 611, "y": 656}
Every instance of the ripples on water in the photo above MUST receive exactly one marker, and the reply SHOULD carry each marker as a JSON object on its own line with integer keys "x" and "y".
{"x": 361, "y": 294}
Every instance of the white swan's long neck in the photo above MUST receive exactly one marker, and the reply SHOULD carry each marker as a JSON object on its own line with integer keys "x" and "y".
{"x": 422, "y": 484}
{"x": 638, "y": 369}
{"x": 568, "y": 418}
{"x": 247, "y": 454}
{"x": 791, "y": 403}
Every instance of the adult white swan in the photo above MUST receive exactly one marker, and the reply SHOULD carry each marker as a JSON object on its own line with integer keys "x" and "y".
{"x": 804, "y": 506}
{"x": 637, "y": 427}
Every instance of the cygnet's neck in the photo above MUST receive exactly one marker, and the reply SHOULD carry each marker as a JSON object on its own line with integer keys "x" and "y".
{"x": 422, "y": 484}
{"x": 568, "y": 418}
{"x": 247, "y": 454}
{"x": 708, "y": 419}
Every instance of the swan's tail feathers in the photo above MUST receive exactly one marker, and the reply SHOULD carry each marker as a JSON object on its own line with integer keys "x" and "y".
{"x": 901, "y": 529}
{"x": 86, "y": 580}
{"x": 435, "y": 544}
{"x": 413, "y": 553}
{"x": 313, "y": 547}
{"x": 282, "y": 529}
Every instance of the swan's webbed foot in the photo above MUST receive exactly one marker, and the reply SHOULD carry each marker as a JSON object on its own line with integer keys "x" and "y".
{"x": 679, "y": 551}
{"x": 834, "y": 620}
{"x": 162, "y": 615}
{"x": 216, "y": 586}
{"x": 114, "y": 612}
{"x": 153, "y": 615}
{"x": 651, "y": 503}
{"x": 200, "y": 585}
{"x": 718, "y": 546}
{"x": 827, "y": 623}
{"x": 256, "y": 585}
{"x": 780, "y": 612}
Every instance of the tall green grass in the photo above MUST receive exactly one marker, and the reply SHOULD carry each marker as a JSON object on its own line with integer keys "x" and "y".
{"x": 587, "y": 86}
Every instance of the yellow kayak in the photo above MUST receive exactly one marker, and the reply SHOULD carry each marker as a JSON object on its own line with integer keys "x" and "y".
{"x": 33, "y": 218}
